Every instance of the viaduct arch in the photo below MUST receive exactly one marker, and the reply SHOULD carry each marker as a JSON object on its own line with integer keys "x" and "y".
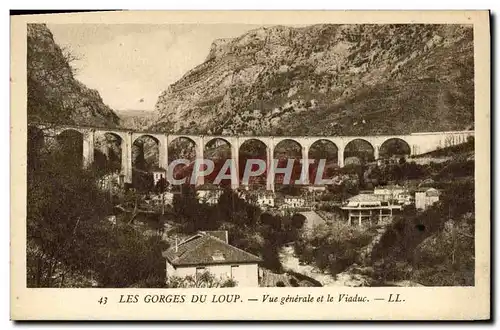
{"x": 105, "y": 144}
{"x": 418, "y": 143}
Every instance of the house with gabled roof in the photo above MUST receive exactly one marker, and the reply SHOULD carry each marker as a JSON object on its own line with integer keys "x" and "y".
{"x": 210, "y": 251}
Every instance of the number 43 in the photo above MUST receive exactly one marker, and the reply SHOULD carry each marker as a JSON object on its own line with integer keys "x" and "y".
{"x": 103, "y": 300}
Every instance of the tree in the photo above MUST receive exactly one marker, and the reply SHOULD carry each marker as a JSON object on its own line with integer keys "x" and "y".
{"x": 129, "y": 258}
{"x": 68, "y": 233}
{"x": 65, "y": 210}
{"x": 332, "y": 247}
{"x": 447, "y": 257}
{"x": 193, "y": 214}
{"x": 161, "y": 186}
{"x": 232, "y": 208}
{"x": 142, "y": 181}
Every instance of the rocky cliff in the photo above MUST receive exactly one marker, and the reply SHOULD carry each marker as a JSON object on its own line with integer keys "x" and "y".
{"x": 328, "y": 79}
{"x": 54, "y": 95}
{"x": 136, "y": 119}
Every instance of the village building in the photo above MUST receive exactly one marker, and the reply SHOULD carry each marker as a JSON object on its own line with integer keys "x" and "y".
{"x": 394, "y": 193}
{"x": 366, "y": 191}
{"x": 427, "y": 183}
{"x": 158, "y": 173}
{"x": 167, "y": 198}
{"x": 390, "y": 190}
{"x": 209, "y": 195}
{"x": 405, "y": 199}
{"x": 211, "y": 252}
{"x": 369, "y": 209}
{"x": 316, "y": 188}
{"x": 426, "y": 197}
{"x": 265, "y": 199}
{"x": 112, "y": 182}
{"x": 293, "y": 202}
{"x": 260, "y": 198}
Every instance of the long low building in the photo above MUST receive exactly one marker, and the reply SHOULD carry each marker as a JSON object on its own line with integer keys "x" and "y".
{"x": 369, "y": 209}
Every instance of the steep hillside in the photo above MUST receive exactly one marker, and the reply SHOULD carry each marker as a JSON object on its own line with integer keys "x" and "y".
{"x": 339, "y": 79}
{"x": 54, "y": 95}
{"x": 136, "y": 119}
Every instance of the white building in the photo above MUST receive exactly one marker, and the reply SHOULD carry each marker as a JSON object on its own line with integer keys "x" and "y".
{"x": 262, "y": 198}
{"x": 266, "y": 199}
{"x": 111, "y": 182}
{"x": 209, "y": 196}
{"x": 293, "y": 201}
{"x": 168, "y": 198}
{"x": 405, "y": 198}
{"x": 369, "y": 209}
{"x": 211, "y": 252}
{"x": 394, "y": 193}
{"x": 158, "y": 173}
{"x": 426, "y": 197}
{"x": 391, "y": 191}
{"x": 316, "y": 188}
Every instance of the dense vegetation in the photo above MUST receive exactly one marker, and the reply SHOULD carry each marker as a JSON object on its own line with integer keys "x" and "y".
{"x": 408, "y": 172}
{"x": 70, "y": 240}
{"x": 435, "y": 247}
{"x": 259, "y": 233}
{"x": 333, "y": 247}
{"x": 72, "y": 243}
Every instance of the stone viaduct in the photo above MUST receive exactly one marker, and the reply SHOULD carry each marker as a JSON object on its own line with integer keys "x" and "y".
{"x": 418, "y": 143}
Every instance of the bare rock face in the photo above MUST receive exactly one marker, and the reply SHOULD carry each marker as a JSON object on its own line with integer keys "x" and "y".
{"x": 339, "y": 79}
{"x": 54, "y": 95}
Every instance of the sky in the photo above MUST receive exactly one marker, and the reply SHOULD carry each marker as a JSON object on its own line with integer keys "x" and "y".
{"x": 131, "y": 64}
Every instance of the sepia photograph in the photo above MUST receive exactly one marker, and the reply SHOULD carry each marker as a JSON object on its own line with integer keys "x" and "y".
{"x": 245, "y": 155}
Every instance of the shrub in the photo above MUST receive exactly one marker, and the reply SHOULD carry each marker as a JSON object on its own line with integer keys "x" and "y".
{"x": 204, "y": 280}
{"x": 332, "y": 247}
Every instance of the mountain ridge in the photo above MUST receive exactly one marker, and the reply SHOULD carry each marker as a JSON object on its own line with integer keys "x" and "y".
{"x": 340, "y": 79}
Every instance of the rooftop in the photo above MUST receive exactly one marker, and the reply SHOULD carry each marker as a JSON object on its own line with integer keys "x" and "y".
{"x": 293, "y": 197}
{"x": 268, "y": 196}
{"x": 390, "y": 187}
{"x": 209, "y": 187}
{"x": 366, "y": 198}
{"x": 206, "y": 249}
{"x": 366, "y": 201}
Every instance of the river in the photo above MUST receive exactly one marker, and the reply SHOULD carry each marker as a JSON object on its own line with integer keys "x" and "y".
{"x": 351, "y": 277}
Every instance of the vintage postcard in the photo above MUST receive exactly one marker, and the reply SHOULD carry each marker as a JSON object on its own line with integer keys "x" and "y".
{"x": 250, "y": 165}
